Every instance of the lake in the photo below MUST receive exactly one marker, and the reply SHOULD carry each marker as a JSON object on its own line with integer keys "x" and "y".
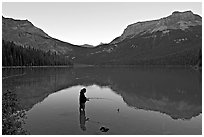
{"x": 123, "y": 100}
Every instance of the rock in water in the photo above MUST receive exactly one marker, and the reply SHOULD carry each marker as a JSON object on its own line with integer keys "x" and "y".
{"x": 104, "y": 129}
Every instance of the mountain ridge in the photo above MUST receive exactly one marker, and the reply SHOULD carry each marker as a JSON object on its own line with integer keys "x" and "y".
{"x": 24, "y": 33}
{"x": 164, "y": 23}
{"x": 172, "y": 40}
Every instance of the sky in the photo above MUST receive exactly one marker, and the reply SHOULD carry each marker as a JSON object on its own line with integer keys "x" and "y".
{"x": 88, "y": 22}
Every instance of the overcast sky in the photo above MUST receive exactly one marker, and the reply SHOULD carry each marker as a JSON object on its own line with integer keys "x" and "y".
{"x": 91, "y": 23}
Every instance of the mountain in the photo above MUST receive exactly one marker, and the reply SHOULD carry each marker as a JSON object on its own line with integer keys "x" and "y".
{"x": 176, "y": 21}
{"x": 24, "y": 33}
{"x": 87, "y": 45}
{"x": 172, "y": 40}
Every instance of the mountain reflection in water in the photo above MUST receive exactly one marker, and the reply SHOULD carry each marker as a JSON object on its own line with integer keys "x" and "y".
{"x": 175, "y": 92}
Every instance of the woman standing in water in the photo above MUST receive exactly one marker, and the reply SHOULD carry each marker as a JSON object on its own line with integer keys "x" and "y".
{"x": 82, "y": 117}
{"x": 82, "y": 99}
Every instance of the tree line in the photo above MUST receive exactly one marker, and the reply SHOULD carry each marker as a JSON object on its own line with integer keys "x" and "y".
{"x": 14, "y": 55}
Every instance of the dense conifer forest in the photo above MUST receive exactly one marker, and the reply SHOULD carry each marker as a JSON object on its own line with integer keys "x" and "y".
{"x": 13, "y": 55}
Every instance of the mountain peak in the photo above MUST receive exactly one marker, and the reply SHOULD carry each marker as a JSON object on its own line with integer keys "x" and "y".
{"x": 177, "y": 20}
{"x": 24, "y": 33}
{"x": 87, "y": 45}
{"x": 16, "y": 21}
{"x": 23, "y": 26}
{"x": 185, "y": 12}
{"x": 186, "y": 15}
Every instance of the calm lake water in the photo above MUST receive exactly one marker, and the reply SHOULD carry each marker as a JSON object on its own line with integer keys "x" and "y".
{"x": 125, "y": 100}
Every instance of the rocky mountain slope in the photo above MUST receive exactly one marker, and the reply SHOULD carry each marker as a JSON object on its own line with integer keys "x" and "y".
{"x": 87, "y": 46}
{"x": 176, "y": 21}
{"x": 24, "y": 33}
{"x": 172, "y": 40}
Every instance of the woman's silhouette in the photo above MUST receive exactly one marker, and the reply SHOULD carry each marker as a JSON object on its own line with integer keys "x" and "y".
{"x": 82, "y": 99}
{"x": 82, "y": 117}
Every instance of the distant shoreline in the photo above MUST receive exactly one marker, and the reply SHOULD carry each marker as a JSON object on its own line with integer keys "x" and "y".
{"x": 88, "y": 65}
{"x": 35, "y": 66}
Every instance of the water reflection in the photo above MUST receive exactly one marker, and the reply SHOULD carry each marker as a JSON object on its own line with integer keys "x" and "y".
{"x": 59, "y": 114}
{"x": 83, "y": 118}
{"x": 155, "y": 100}
{"x": 175, "y": 92}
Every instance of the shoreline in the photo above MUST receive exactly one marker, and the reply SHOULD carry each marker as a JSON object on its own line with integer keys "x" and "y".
{"x": 106, "y": 66}
{"x": 35, "y": 67}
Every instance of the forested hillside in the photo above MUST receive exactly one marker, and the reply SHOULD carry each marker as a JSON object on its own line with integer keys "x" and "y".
{"x": 14, "y": 55}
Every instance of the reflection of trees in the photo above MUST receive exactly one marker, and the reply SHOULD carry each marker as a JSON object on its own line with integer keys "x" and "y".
{"x": 175, "y": 92}
{"x": 12, "y": 115}
{"x": 36, "y": 84}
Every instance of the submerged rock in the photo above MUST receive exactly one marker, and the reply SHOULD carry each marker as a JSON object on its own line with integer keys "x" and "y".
{"x": 104, "y": 129}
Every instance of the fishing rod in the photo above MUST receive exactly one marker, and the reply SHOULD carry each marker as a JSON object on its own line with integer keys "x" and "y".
{"x": 106, "y": 99}
{"x": 99, "y": 98}
{"x": 96, "y": 98}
